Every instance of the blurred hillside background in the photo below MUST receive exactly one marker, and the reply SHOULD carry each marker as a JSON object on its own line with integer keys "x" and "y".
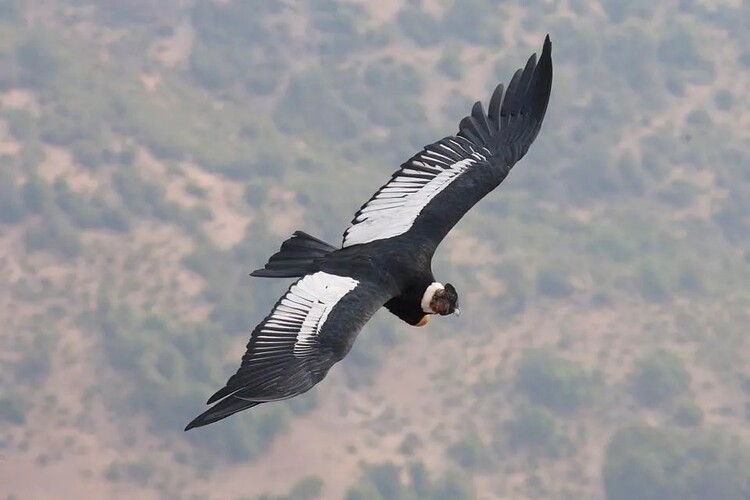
{"x": 154, "y": 152}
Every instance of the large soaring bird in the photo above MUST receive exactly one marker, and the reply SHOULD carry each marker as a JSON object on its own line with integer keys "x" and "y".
{"x": 386, "y": 254}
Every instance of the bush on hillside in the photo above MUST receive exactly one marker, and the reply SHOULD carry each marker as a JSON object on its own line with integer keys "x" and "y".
{"x": 659, "y": 378}
{"x": 659, "y": 464}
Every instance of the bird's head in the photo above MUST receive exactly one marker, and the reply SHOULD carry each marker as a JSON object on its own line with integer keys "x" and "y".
{"x": 439, "y": 299}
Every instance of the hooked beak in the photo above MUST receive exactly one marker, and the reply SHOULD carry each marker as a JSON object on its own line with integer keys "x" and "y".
{"x": 457, "y": 312}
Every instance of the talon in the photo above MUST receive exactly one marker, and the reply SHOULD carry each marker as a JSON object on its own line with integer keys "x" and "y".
{"x": 425, "y": 319}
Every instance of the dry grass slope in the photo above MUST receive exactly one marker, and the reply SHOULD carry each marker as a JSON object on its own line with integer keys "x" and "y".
{"x": 597, "y": 280}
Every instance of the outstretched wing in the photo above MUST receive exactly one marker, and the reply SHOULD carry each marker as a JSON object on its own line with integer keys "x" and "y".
{"x": 309, "y": 329}
{"x": 430, "y": 193}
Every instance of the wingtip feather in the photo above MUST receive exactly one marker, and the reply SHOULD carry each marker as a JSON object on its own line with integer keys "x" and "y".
{"x": 221, "y": 410}
{"x": 546, "y": 49}
{"x": 528, "y": 89}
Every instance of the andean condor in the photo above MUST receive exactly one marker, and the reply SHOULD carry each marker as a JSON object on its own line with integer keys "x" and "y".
{"x": 385, "y": 258}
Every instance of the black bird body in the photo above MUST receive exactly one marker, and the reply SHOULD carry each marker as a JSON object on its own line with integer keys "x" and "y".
{"x": 400, "y": 265}
{"x": 385, "y": 259}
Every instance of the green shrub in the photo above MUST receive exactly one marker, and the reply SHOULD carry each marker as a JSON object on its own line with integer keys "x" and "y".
{"x": 534, "y": 430}
{"x": 630, "y": 57}
{"x": 699, "y": 118}
{"x": 473, "y": 21}
{"x": 612, "y": 242}
{"x": 139, "y": 13}
{"x": 363, "y": 491}
{"x": 12, "y": 209}
{"x": 380, "y": 481}
{"x": 658, "y": 464}
{"x": 592, "y": 177}
{"x": 89, "y": 212}
{"x": 383, "y": 481}
{"x": 35, "y": 364}
{"x": 410, "y": 444}
{"x": 418, "y": 25}
{"x": 307, "y": 488}
{"x": 90, "y": 153}
{"x": 454, "y": 485}
{"x": 390, "y": 78}
{"x": 339, "y": 28}
{"x": 10, "y": 9}
{"x": 691, "y": 279}
{"x": 731, "y": 215}
{"x": 136, "y": 471}
{"x": 146, "y": 199}
{"x": 470, "y": 452}
{"x": 62, "y": 127}
{"x": 450, "y": 64}
{"x": 653, "y": 283}
{"x": 659, "y": 378}
{"x": 210, "y": 69}
{"x": 745, "y": 384}
{"x": 22, "y": 124}
{"x": 265, "y": 78}
{"x": 554, "y": 382}
{"x": 679, "y": 49}
{"x": 688, "y": 414}
{"x": 54, "y": 233}
{"x": 13, "y": 410}
{"x": 223, "y": 54}
{"x": 620, "y": 11}
{"x": 38, "y": 195}
{"x": 678, "y": 194}
{"x": 723, "y": 99}
{"x": 420, "y": 479}
{"x": 310, "y": 106}
{"x": 553, "y": 283}
{"x": 39, "y": 60}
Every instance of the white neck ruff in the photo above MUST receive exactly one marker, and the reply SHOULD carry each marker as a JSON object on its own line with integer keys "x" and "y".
{"x": 428, "y": 294}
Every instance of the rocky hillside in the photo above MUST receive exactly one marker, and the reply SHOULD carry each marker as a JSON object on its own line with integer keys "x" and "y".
{"x": 153, "y": 152}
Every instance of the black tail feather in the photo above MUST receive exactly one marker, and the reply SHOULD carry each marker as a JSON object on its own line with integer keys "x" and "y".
{"x": 295, "y": 258}
{"x": 221, "y": 410}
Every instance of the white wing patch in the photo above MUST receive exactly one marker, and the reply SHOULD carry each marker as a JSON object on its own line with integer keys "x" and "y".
{"x": 393, "y": 209}
{"x": 302, "y": 311}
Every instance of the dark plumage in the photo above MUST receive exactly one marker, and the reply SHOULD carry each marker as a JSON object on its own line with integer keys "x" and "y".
{"x": 386, "y": 255}
{"x": 295, "y": 257}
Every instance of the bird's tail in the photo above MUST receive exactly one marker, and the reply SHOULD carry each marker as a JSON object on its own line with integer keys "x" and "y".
{"x": 222, "y": 409}
{"x": 295, "y": 258}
